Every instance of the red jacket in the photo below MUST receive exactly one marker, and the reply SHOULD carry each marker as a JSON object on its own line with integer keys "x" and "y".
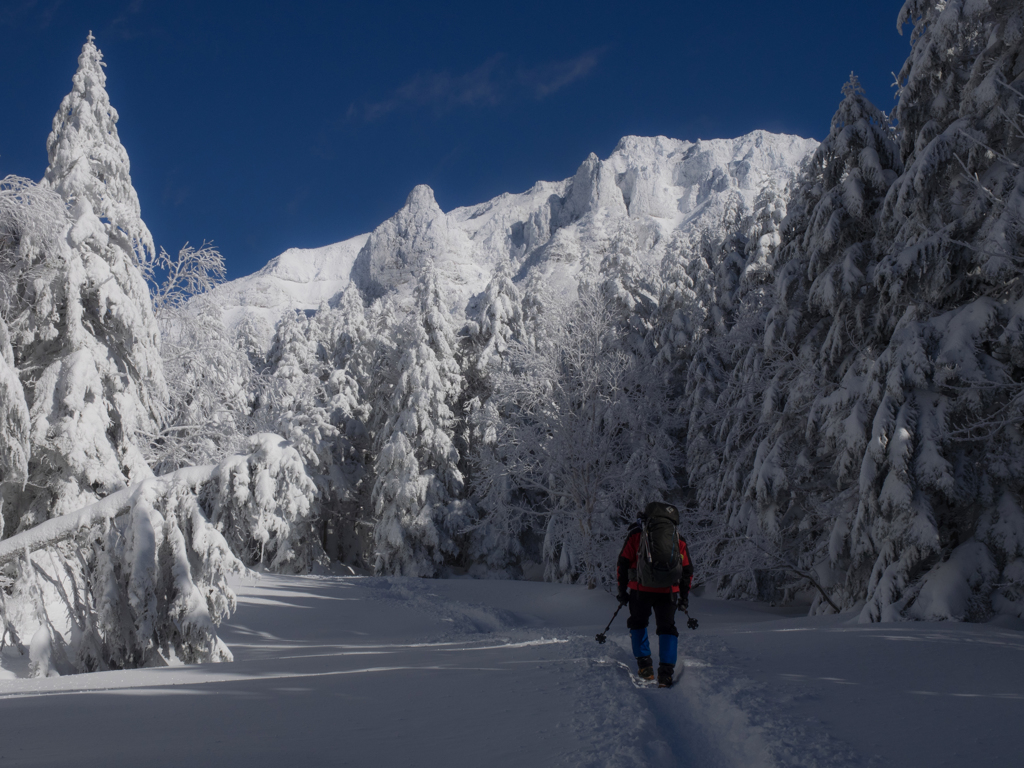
{"x": 627, "y": 566}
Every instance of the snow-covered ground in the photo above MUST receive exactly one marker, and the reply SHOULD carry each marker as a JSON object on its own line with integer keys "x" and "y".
{"x": 396, "y": 672}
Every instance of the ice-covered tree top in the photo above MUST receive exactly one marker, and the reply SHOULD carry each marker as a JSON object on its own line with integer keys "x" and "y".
{"x": 862, "y": 132}
{"x": 88, "y": 166}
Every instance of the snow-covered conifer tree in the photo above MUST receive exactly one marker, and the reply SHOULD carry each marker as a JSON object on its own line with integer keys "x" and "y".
{"x": 254, "y": 336}
{"x": 14, "y": 421}
{"x": 418, "y": 486}
{"x": 98, "y": 382}
{"x": 719, "y": 326}
{"x": 630, "y": 287}
{"x": 936, "y": 480}
{"x": 496, "y": 324}
{"x": 827, "y": 264}
{"x": 264, "y": 503}
{"x": 89, "y": 169}
{"x": 679, "y": 323}
{"x": 820, "y": 316}
{"x": 294, "y": 403}
{"x": 497, "y": 321}
{"x": 341, "y": 336}
{"x": 31, "y": 225}
{"x": 298, "y": 373}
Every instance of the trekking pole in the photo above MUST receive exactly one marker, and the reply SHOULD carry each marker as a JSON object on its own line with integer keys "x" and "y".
{"x": 691, "y": 623}
{"x": 603, "y": 635}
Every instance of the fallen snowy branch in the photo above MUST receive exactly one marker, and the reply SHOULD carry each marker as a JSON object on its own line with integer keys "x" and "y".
{"x": 143, "y": 573}
{"x": 66, "y": 527}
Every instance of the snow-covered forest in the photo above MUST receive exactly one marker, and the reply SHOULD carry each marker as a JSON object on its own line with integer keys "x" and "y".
{"x": 815, "y": 351}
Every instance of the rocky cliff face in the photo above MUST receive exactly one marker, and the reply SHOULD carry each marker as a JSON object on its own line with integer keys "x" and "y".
{"x": 396, "y": 252}
{"x": 650, "y": 187}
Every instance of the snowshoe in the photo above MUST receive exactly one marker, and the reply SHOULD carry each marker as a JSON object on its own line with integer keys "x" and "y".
{"x": 665, "y": 673}
{"x": 645, "y": 669}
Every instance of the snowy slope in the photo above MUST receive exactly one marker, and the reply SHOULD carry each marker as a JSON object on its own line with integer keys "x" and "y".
{"x": 653, "y": 186}
{"x": 395, "y": 672}
{"x": 300, "y": 278}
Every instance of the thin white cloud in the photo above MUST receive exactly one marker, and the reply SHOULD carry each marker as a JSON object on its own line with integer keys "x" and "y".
{"x": 38, "y": 12}
{"x": 441, "y": 91}
{"x": 126, "y": 24}
{"x": 549, "y": 78}
{"x": 489, "y": 84}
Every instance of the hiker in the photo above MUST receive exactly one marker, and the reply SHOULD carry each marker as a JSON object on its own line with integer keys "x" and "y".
{"x": 654, "y": 573}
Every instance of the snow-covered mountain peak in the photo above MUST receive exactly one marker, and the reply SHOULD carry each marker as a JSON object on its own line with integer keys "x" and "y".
{"x": 421, "y": 199}
{"x": 592, "y": 187}
{"x": 654, "y": 185}
{"x": 396, "y": 252}
{"x": 649, "y": 146}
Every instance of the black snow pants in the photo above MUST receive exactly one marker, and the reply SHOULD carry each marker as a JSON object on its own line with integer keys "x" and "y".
{"x": 662, "y": 603}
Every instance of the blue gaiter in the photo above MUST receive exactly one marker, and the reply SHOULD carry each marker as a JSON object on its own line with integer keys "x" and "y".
{"x": 668, "y": 649}
{"x": 641, "y": 647}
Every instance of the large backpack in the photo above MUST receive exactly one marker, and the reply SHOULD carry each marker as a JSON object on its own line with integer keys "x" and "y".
{"x": 659, "y": 564}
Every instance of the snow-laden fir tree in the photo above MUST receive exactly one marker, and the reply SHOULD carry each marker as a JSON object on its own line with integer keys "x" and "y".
{"x": 343, "y": 349}
{"x": 830, "y": 266}
{"x": 692, "y": 357}
{"x": 496, "y": 324}
{"x": 94, "y": 370}
{"x": 815, "y": 327}
{"x": 630, "y": 287}
{"x": 293, "y": 405}
{"x": 418, "y": 487}
{"x": 701, "y": 274}
{"x": 680, "y": 319}
{"x": 31, "y": 227}
{"x": 14, "y": 419}
{"x": 725, "y": 381}
{"x": 297, "y": 372}
{"x": 958, "y": 117}
{"x": 89, "y": 168}
{"x": 254, "y": 335}
{"x": 496, "y": 321}
{"x": 265, "y": 503}
{"x": 824, "y": 328}
{"x": 937, "y": 532}
{"x": 708, "y": 328}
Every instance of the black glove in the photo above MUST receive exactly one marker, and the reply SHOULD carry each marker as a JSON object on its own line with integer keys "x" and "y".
{"x": 623, "y": 597}
{"x": 683, "y": 601}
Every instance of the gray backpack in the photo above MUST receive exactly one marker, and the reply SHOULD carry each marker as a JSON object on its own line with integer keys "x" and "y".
{"x": 659, "y": 564}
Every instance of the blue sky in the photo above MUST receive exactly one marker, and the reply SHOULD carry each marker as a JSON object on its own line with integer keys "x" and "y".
{"x": 264, "y": 125}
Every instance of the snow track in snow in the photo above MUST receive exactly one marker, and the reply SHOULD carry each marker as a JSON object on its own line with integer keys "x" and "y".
{"x": 395, "y": 672}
